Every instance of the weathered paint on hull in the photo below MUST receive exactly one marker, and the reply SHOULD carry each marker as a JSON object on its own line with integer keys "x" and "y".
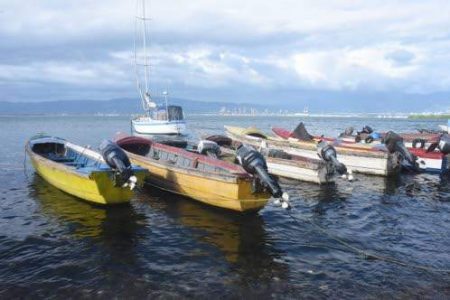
{"x": 227, "y": 193}
{"x": 358, "y": 164}
{"x": 98, "y": 188}
{"x": 318, "y": 176}
{"x": 357, "y": 160}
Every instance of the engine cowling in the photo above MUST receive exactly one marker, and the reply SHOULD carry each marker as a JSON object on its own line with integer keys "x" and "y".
{"x": 254, "y": 163}
{"x": 367, "y": 129}
{"x": 444, "y": 144}
{"x": 209, "y": 148}
{"x": 328, "y": 153}
{"x": 394, "y": 143}
{"x": 118, "y": 160}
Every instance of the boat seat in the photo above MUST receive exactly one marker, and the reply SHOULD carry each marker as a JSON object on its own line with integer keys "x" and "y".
{"x": 59, "y": 158}
{"x": 63, "y": 160}
{"x": 75, "y": 164}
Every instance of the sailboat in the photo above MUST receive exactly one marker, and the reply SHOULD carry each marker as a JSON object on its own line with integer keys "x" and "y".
{"x": 158, "y": 119}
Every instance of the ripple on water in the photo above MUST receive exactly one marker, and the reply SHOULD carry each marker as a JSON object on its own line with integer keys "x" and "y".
{"x": 167, "y": 246}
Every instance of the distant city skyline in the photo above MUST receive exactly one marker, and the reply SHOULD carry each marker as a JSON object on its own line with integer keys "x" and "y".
{"x": 227, "y": 50}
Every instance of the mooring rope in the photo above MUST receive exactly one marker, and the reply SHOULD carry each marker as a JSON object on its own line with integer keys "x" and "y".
{"x": 365, "y": 254}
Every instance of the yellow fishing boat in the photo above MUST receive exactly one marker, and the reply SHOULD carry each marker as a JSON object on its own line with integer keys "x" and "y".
{"x": 84, "y": 173}
{"x": 191, "y": 174}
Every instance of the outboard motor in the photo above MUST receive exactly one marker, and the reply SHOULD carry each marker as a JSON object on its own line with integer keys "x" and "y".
{"x": 301, "y": 133}
{"x": 394, "y": 143}
{"x": 444, "y": 144}
{"x": 209, "y": 148}
{"x": 117, "y": 159}
{"x": 367, "y": 129}
{"x": 348, "y": 131}
{"x": 254, "y": 163}
{"x": 328, "y": 154}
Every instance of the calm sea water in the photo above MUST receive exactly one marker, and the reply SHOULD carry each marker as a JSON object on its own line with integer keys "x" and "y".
{"x": 53, "y": 245}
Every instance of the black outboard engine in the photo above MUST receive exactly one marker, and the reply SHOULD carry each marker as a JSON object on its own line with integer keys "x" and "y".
{"x": 444, "y": 144}
{"x": 328, "y": 154}
{"x": 209, "y": 148}
{"x": 117, "y": 159}
{"x": 394, "y": 143}
{"x": 367, "y": 129}
{"x": 254, "y": 163}
{"x": 348, "y": 131}
{"x": 301, "y": 133}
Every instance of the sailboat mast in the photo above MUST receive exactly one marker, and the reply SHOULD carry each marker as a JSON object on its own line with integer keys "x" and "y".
{"x": 144, "y": 42}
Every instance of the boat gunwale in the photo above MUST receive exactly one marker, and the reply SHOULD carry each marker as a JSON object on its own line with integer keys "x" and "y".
{"x": 232, "y": 177}
{"x": 298, "y": 161}
{"x": 283, "y": 143}
{"x": 233, "y": 169}
{"x": 58, "y": 165}
{"x": 344, "y": 148}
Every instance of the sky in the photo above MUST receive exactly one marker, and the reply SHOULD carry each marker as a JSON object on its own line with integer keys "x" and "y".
{"x": 224, "y": 50}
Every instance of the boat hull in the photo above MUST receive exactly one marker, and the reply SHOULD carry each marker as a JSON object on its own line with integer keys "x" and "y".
{"x": 313, "y": 175}
{"x": 154, "y": 127}
{"x": 216, "y": 190}
{"x": 358, "y": 160}
{"x": 94, "y": 187}
{"x": 297, "y": 168}
{"x": 431, "y": 162}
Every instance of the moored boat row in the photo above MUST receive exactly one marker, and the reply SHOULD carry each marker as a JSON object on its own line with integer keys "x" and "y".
{"x": 368, "y": 161}
{"x": 108, "y": 177}
{"x": 237, "y": 172}
{"x": 424, "y": 151}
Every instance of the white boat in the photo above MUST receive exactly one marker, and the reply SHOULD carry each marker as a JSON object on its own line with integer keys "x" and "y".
{"x": 367, "y": 161}
{"x": 445, "y": 128}
{"x": 163, "y": 119}
{"x": 280, "y": 163}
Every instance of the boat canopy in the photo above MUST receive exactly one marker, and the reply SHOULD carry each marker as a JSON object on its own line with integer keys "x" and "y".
{"x": 171, "y": 113}
{"x": 175, "y": 113}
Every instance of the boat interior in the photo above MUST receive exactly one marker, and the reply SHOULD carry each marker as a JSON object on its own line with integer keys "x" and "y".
{"x": 179, "y": 155}
{"x": 228, "y": 143}
{"x": 60, "y": 153}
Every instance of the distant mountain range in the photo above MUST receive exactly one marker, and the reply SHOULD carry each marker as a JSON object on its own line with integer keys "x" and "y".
{"x": 316, "y": 103}
{"x": 115, "y": 106}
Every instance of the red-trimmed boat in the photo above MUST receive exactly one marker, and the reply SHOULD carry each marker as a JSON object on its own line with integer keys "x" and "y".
{"x": 195, "y": 175}
{"x": 428, "y": 159}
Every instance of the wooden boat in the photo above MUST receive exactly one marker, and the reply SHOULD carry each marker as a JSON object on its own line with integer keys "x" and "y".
{"x": 427, "y": 158}
{"x": 411, "y": 140}
{"x": 423, "y": 145}
{"x": 431, "y": 162}
{"x": 374, "y": 161}
{"x": 81, "y": 172}
{"x": 283, "y": 164}
{"x": 202, "y": 178}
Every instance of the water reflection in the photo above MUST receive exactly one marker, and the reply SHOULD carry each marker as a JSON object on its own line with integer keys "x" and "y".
{"x": 241, "y": 238}
{"x": 83, "y": 220}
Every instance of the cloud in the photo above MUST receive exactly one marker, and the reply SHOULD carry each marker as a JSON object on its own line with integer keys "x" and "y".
{"x": 200, "y": 47}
